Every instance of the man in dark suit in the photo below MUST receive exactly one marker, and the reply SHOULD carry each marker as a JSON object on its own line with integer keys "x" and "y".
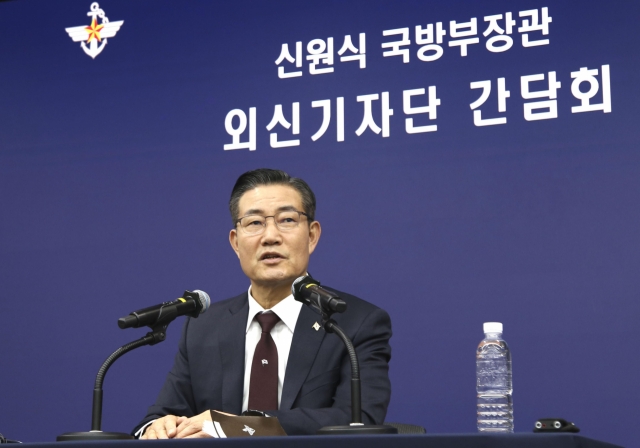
{"x": 225, "y": 354}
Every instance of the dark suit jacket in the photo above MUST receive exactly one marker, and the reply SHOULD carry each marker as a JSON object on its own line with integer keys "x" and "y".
{"x": 208, "y": 371}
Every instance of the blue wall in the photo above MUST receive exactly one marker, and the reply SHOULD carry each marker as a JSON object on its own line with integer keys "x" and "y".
{"x": 114, "y": 184}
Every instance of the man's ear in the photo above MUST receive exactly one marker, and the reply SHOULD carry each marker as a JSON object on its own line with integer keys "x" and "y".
{"x": 233, "y": 240}
{"x": 315, "y": 230}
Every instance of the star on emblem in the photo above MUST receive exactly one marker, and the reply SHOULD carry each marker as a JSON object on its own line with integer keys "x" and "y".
{"x": 94, "y": 30}
{"x": 316, "y": 326}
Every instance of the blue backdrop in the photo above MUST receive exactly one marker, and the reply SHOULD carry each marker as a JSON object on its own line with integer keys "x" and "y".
{"x": 115, "y": 172}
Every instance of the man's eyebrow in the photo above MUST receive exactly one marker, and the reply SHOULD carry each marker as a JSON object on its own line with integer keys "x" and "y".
{"x": 254, "y": 211}
{"x": 259, "y": 211}
{"x": 287, "y": 208}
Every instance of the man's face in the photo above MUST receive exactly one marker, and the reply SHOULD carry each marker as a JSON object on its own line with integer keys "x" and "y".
{"x": 275, "y": 258}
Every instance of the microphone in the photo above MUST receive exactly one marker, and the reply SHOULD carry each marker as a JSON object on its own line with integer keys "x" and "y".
{"x": 308, "y": 291}
{"x": 191, "y": 304}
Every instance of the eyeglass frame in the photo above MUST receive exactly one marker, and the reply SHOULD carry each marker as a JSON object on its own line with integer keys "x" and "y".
{"x": 264, "y": 227}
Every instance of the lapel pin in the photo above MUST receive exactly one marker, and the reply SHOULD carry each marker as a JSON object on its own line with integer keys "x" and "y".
{"x": 316, "y": 326}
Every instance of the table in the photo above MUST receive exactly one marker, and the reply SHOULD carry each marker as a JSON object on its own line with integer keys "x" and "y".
{"x": 384, "y": 441}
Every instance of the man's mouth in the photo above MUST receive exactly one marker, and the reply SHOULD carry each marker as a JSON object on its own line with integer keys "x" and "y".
{"x": 271, "y": 257}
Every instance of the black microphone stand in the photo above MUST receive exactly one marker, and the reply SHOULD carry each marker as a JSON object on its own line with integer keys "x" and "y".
{"x": 157, "y": 334}
{"x": 356, "y": 427}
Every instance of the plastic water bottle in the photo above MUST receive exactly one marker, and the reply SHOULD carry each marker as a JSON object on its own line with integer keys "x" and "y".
{"x": 494, "y": 386}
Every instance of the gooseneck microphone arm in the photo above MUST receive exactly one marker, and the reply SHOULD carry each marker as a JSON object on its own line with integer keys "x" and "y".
{"x": 330, "y": 326}
{"x": 153, "y": 337}
{"x": 157, "y": 334}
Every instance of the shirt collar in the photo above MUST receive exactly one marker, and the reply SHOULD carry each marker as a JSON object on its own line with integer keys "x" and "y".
{"x": 287, "y": 310}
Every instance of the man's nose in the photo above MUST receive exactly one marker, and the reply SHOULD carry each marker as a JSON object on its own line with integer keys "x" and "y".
{"x": 271, "y": 231}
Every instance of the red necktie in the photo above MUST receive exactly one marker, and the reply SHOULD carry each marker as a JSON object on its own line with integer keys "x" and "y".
{"x": 263, "y": 387}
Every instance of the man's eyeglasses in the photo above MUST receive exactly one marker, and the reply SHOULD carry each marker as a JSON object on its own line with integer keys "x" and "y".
{"x": 285, "y": 220}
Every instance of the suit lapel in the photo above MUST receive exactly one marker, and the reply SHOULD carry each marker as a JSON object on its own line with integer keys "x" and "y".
{"x": 232, "y": 344}
{"x": 304, "y": 348}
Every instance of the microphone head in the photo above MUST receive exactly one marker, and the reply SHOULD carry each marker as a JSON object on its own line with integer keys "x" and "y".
{"x": 204, "y": 298}
{"x": 299, "y": 283}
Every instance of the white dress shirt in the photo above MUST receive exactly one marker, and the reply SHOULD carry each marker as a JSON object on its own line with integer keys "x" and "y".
{"x": 288, "y": 311}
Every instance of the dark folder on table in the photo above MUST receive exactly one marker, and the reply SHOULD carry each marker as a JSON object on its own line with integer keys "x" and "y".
{"x": 224, "y": 426}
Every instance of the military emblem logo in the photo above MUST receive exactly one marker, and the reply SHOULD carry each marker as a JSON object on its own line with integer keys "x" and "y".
{"x": 95, "y": 34}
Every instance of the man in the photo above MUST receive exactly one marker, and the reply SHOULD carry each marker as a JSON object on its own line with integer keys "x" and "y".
{"x": 221, "y": 362}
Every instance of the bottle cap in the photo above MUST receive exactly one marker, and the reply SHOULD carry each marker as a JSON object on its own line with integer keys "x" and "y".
{"x": 492, "y": 327}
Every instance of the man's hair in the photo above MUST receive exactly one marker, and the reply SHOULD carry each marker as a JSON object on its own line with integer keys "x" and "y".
{"x": 265, "y": 176}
